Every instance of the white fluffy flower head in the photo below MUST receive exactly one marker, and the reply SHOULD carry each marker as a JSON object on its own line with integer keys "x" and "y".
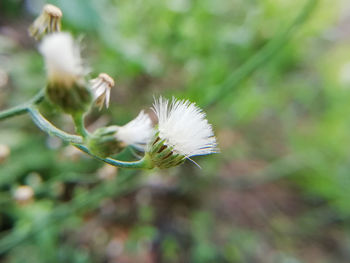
{"x": 137, "y": 132}
{"x": 62, "y": 58}
{"x": 184, "y": 127}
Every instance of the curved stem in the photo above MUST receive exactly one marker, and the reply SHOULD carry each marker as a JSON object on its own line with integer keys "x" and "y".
{"x": 21, "y": 109}
{"x": 49, "y": 128}
{"x": 144, "y": 163}
{"x": 77, "y": 141}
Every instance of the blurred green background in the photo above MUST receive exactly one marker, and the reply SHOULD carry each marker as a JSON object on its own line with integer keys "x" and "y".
{"x": 274, "y": 79}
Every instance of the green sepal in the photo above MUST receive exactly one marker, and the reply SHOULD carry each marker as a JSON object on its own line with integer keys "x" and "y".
{"x": 162, "y": 155}
{"x": 103, "y": 142}
{"x": 73, "y": 99}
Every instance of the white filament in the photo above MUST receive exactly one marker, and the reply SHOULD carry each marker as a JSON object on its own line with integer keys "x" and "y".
{"x": 62, "y": 58}
{"x": 137, "y": 132}
{"x": 101, "y": 91}
{"x": 184, "y": 127}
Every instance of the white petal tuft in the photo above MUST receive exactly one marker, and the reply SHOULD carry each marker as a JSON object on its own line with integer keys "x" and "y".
{"x": 137, "y": 132}
{"x": 101, "y": 89}
{"x": 184, "y": 127}
{"x": 62, "y": 57}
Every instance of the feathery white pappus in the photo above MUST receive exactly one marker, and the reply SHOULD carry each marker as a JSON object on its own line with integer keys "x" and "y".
{"x": 184, "y": 127}
{"x": 137, "y": 132}
{"x": 101, "y": 89}
{"x": 62, "y": 58}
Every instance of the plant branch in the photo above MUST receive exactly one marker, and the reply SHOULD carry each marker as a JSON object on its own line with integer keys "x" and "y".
{"x": 77, "y": 141}
{"x": 22, "y": 109}
{"x": 144, "y": 163}
{"x": 49, "y": 128}
{"x": 78, "y": 119}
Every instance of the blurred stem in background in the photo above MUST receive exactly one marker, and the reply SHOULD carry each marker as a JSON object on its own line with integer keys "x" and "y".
{"x": 270, "y": 50}
{"x": 85, "y": 200}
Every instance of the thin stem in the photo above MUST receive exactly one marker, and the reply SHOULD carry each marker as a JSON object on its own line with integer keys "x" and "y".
{"x": 22, "y": 109}
{"x": 78, "y": 119}
{"x": 39, "y": 97}
{"x": 144, "y": 163}
{"x": 49, "y": 128}
{"x": 18, "y": 110}
{"x": 77, "y": 141}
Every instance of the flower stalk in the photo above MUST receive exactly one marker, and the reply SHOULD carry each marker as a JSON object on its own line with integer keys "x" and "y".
{"x": 79, "y": 122}
{"x": 23, "y": 108}
{"x": 182, "y": 131}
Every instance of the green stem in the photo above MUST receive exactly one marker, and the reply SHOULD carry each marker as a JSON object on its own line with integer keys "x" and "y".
{"x": 49, "y": 128}
{"x": 77, "y": 141}
{"x": 21, "y": 109}
{"x": 144, "y": 163}
{"x": 78, "y": 119}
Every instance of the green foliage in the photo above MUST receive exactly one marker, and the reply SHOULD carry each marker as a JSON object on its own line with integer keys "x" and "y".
{"x": 283, "y": 127}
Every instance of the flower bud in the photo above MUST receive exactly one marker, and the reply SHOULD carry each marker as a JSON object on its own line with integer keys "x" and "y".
{"x": 103, "y": 142}
{"x": 101, "y": 89}
{"x": 111, "y": 140}
{"x": 49, "y": 21}
{"x": 66, "y": 84}
{"x": 163, "y": 156}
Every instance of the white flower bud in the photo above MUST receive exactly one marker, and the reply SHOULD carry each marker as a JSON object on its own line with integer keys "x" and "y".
{"x": 101, "y": 89}
{"x": 49, "y": 21}
{"x": 107, "y": 141}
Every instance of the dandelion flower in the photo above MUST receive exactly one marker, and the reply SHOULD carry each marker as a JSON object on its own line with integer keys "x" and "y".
{"x": 65, "y": 72}
{"x": 183, "y": 131}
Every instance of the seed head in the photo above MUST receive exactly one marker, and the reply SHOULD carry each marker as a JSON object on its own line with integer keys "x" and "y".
{"x": 183, "y": 131}
{"x": 66, "y": 85}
